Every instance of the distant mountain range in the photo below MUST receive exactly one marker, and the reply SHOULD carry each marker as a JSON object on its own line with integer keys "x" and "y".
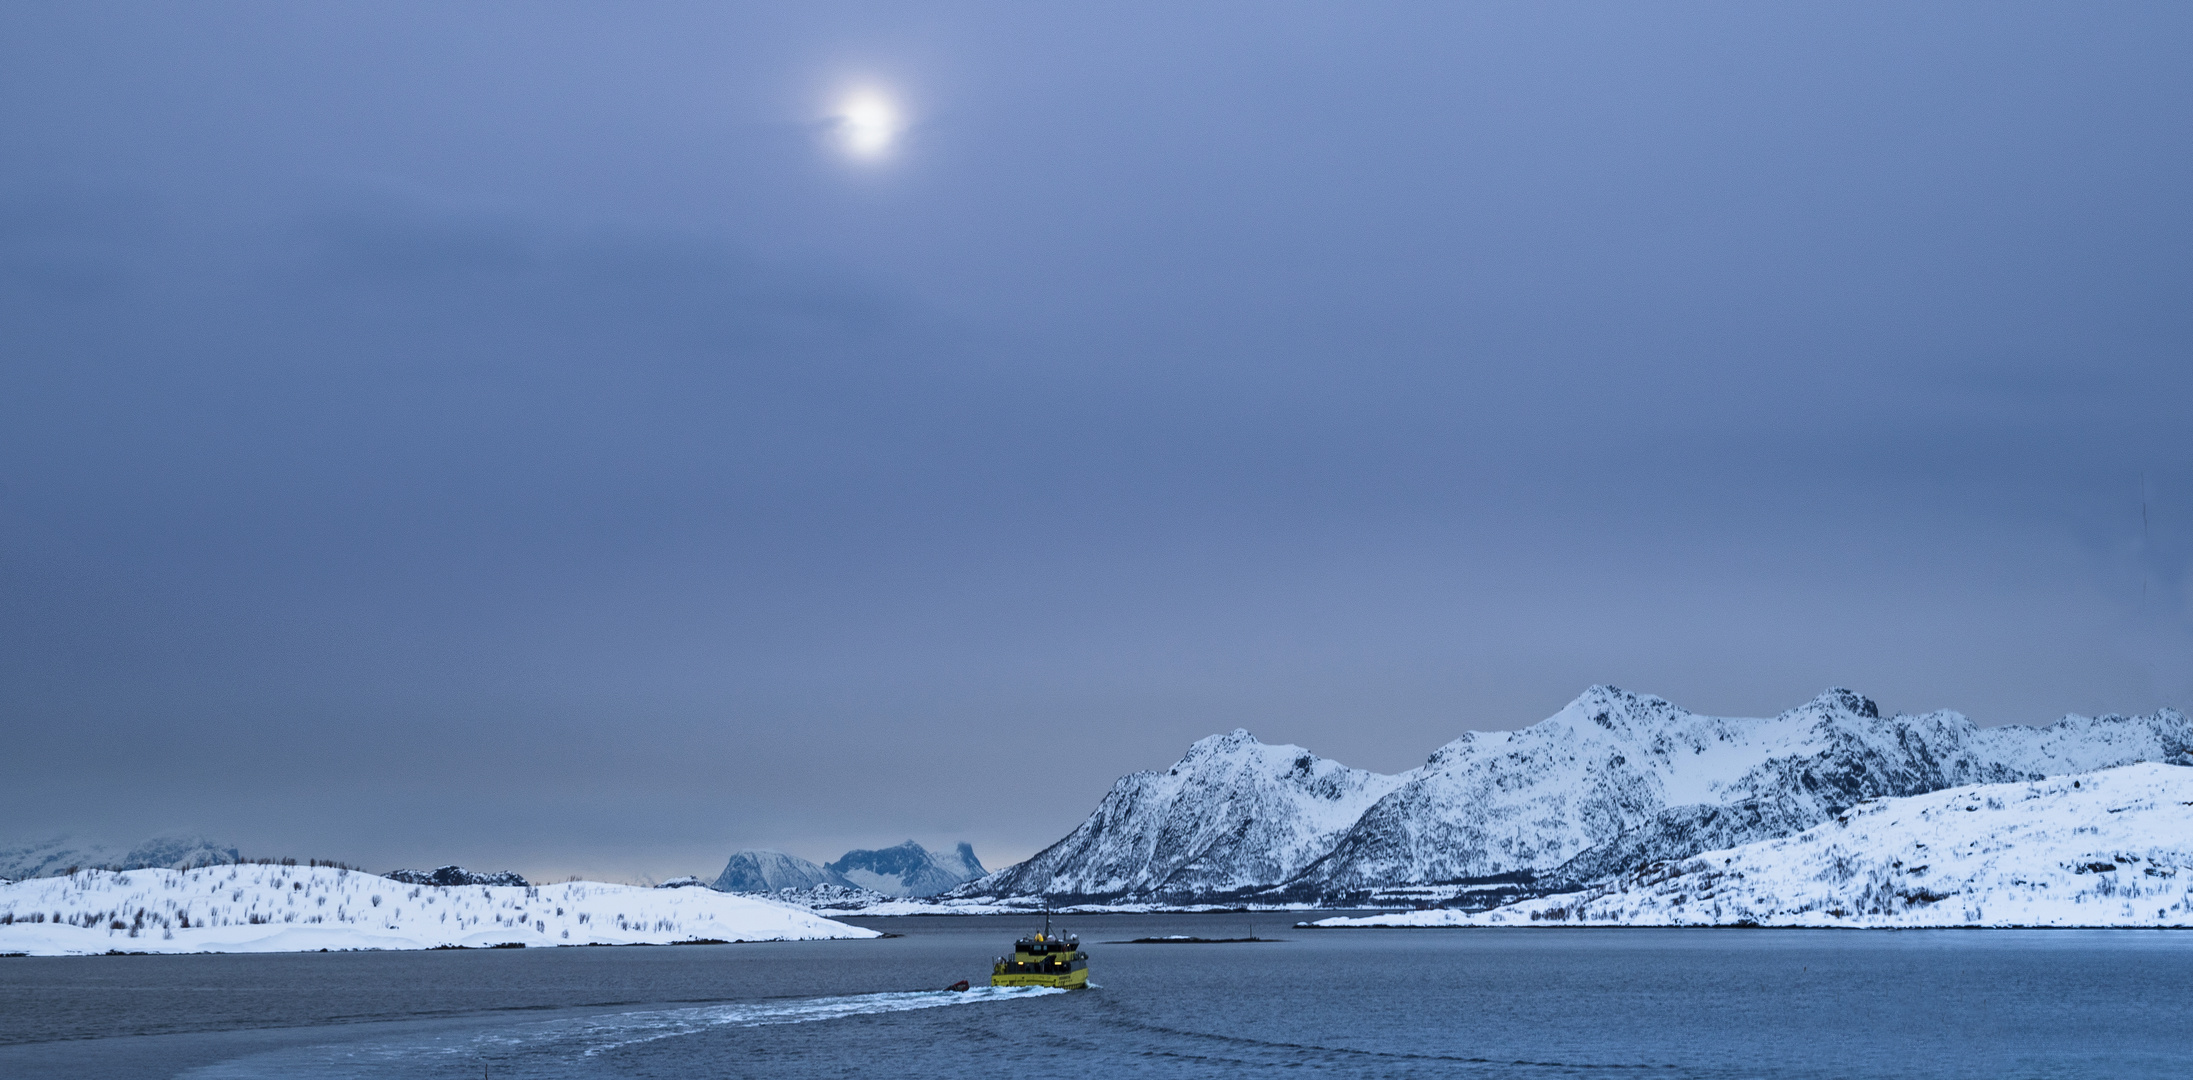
{"x": 1612, "y": 782}
{"x": 906, "y": 870}
{"x": 49, "y": 858}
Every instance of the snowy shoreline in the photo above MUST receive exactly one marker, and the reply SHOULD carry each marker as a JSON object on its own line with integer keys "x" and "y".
{"x": 274, "y": 908}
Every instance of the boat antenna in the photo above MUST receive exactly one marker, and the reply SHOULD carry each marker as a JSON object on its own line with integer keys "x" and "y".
{"x": 1046, "y": 916}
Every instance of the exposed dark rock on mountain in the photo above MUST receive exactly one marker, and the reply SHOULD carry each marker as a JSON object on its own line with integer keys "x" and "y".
{"x": 456, "y": 875}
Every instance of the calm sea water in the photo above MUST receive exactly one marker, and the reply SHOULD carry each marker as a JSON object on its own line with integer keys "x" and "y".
{"x": 1392, "y": 1003}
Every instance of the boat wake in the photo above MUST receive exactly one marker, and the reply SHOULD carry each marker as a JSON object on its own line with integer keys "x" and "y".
{"x": 584, "y": 1037}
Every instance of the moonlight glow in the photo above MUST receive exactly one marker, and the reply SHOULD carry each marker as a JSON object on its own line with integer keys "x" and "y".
{"x": 869, "y": 123}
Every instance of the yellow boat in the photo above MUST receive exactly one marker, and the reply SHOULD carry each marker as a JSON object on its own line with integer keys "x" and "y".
{"x": 1043, "y": 960}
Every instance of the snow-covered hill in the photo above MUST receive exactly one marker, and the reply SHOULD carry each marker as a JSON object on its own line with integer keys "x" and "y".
{"x": 1233, "y": 814}
{"x": 1612, "y": 781}
{"x": 2108, "y": 848}
{"x": 271, "y": 908}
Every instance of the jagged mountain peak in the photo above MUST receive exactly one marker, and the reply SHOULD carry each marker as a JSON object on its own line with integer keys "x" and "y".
{"x": 1614, "y": 709}
{"x": 1839, "y": 699}
{"x": 1231, "y": 813}
{"x": 1204, "y": 750}
{"x": 1215, "y": 758}
{"x": 1602, "y": 714}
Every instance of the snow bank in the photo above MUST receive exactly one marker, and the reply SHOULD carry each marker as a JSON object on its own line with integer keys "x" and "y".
{"x": 265, "y": 908}
{"x": 2112, "y": 848}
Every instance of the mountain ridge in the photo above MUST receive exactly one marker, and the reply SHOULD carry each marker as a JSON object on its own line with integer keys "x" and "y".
{"x": 1611, "y": 781}
{"x": 58, "y": 855}
{"x": 2108, "y": 848}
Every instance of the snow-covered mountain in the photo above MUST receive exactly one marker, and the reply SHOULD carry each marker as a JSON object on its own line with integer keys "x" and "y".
{"x": 907, "y": 870}
{"x": 2108, "y": 848}
{"x": 1610, "y": 782}
{"x": 274, "y": 908}
{"x": 760, "y": 870}
{"x": 1616, "y": 779}
{"x": 1232, "y": 814}
{"x": 46, "y": 858}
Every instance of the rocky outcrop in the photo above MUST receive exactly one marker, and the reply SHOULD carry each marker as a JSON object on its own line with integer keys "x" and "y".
{"x": 456, "y": 875}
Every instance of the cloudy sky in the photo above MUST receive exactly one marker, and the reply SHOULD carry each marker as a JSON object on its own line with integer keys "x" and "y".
{"x": 592, "y": 438}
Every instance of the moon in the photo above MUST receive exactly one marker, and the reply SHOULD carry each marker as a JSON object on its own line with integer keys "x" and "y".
{"x": 869, "y": 123}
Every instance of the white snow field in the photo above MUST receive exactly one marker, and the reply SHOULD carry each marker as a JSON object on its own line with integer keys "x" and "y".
{"x": 2112, "y": 848}
{"x": 272, "y": 908}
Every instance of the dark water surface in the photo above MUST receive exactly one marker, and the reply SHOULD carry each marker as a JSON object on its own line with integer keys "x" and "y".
{"x": 1386, "y": 1003}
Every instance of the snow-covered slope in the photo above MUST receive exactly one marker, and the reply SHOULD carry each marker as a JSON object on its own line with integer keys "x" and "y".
{"x": 2108, "y": 848}
{"x": 961, "y": 862}
{"x": 56, "y": 856}
{"x": 1617, "y": 779}
{"x": 760, "y": 870}
{"x": 268, "y": 908}
{"x": 1233, "y": 814}
{"x": 907, "y": 870}
{"x": 1611, "y": 782}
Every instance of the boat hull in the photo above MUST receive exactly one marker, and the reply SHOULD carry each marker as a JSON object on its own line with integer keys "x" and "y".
{"x": 1069, "y": 980}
